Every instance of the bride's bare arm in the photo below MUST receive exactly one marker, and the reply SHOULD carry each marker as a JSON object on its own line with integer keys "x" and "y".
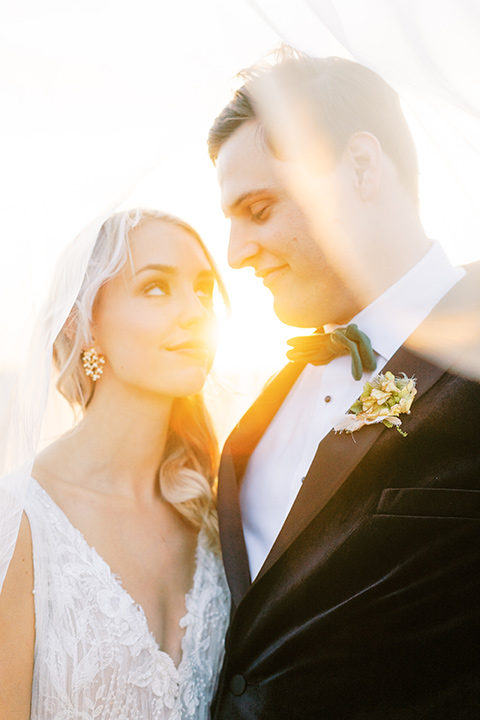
{"x": 17, "y": 631}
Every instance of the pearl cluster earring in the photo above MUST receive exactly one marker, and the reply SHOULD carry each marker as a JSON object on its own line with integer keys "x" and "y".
{"x": 93, "y": 363}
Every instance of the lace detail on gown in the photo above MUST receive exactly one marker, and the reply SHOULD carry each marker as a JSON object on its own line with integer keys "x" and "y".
{"x": 95, "y": 657}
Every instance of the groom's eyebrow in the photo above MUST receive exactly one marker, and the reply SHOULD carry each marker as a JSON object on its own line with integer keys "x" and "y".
{"x": 249, "y": 195}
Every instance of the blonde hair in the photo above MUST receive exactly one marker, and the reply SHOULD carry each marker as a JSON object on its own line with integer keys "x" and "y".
{"x": 188, "y": 471}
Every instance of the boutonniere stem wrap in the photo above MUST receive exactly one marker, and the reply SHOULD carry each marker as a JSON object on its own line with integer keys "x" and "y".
{"x": 383, "y": 399}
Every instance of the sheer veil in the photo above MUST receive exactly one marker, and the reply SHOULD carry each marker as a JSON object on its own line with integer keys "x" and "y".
{"x": 98, "y": 95}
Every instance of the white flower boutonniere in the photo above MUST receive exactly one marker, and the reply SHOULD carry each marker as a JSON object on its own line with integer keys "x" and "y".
{"x": 383, "y": 399}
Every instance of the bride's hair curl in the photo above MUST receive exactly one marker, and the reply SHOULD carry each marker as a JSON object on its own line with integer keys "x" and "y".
{"x": 188, "y": 471}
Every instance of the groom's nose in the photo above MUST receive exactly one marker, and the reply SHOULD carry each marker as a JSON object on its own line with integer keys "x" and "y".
{"x": 242, "y": 248}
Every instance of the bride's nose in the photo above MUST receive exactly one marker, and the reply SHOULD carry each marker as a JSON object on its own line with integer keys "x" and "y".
{"x": 193, "y": 311}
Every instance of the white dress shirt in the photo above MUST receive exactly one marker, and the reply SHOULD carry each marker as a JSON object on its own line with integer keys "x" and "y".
{"x": 322, "y": 394}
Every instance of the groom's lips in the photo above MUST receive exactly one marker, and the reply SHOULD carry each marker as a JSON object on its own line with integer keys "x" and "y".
{"x": 269, "y": 275}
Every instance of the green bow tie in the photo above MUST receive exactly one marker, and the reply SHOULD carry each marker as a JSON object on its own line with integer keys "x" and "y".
{"x": 320, "y": 348}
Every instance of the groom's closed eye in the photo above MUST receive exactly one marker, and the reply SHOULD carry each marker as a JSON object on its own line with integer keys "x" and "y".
{"x": 260, "y": 211}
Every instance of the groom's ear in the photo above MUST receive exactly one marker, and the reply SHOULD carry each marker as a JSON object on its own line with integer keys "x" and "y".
{"x": 365, "y": 155}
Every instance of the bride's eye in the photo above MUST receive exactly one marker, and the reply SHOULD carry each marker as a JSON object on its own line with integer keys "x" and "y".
{"x": 156, "y": 289}
{"x": 205, "y": 291}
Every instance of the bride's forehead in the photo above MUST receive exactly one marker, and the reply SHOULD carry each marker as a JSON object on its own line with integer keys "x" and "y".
{"x": 164, "y": 243}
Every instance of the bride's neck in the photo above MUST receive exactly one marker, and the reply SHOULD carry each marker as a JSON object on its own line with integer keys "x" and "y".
{"x": 119, "y": 444}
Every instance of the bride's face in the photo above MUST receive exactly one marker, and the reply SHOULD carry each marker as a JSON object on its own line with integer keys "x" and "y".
{"x": 154, "y": 322}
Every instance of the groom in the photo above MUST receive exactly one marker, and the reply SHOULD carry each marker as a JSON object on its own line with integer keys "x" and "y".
{"x": 353, "y": 560}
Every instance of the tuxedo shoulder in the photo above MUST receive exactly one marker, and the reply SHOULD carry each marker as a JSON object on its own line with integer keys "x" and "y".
{"x": 450, "y": 335}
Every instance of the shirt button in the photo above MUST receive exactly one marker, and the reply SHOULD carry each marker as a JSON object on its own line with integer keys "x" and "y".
{"x": 328, "y": 398}
{"x": 238, "y": 684}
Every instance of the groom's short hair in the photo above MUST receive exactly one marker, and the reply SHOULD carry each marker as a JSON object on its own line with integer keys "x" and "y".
{"x": 343, "y": 98}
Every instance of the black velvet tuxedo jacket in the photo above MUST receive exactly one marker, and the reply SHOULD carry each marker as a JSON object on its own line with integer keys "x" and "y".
{"x": 368, "y": 605}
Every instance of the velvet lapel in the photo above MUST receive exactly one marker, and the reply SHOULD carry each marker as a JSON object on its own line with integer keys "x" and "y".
{"x": 338, "y": 455}
{"x": 236, "y": 454}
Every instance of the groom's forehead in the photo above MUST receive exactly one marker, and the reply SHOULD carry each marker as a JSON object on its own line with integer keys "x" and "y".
{"x": 245, "y": 147}
{"x": 245, "y": 167}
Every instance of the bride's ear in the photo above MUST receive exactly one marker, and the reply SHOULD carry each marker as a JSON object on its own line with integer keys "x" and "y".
{"x": 365, "y": 154}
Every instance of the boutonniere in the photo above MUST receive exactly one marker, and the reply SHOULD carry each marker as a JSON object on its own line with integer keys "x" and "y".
{"x": 383, "y": 399}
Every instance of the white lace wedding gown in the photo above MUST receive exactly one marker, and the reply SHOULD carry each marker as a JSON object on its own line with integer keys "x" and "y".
{"x": 95, "y": 658}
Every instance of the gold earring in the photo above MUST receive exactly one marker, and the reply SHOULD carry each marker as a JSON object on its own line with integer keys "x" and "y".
{"x": 93, "y": 363}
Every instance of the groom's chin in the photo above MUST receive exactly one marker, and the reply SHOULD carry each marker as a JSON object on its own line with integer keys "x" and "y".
{"x": 291, "y": 312}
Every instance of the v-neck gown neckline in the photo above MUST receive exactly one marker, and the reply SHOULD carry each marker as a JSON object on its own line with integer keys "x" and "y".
{"x": 95, "y": 655}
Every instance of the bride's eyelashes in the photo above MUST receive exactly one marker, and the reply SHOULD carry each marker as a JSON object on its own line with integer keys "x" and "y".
{"x": 160, "y": 288}
{"x": 205, "y": 290}
{"x": 157, "y": 288}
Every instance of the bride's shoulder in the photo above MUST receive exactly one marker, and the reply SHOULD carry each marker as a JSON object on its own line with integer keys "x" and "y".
{"x": 54, "y": 469}
{"x": 49, "y": 464}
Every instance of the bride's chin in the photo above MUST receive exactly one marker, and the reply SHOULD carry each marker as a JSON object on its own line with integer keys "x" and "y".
{"x": 188, "y": 382}
{"x": 196, "y": 385}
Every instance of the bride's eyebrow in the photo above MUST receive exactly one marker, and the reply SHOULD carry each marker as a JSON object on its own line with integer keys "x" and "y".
{"x": 169, "y": 269}
{"x": 206, "y": 275}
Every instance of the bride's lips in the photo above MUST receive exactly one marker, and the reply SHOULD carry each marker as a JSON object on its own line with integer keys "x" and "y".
{"x": 190, "y": 347}
{"x": 269, "y": 275}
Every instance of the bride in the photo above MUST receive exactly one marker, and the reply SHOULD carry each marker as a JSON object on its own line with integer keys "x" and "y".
{"x": 115, "y": 603}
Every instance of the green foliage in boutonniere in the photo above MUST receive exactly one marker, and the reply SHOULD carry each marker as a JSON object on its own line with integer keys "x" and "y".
{"x": 383, "y": 399}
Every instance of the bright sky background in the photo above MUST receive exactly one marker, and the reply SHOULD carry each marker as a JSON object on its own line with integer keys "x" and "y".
{"x": 109, "y": 101}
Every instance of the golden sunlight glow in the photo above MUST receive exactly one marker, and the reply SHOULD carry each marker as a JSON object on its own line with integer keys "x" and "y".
{"x": 82, "y": 127}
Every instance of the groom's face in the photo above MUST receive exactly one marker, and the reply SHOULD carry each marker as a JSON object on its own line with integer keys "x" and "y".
{"x": 270, "y": 231}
